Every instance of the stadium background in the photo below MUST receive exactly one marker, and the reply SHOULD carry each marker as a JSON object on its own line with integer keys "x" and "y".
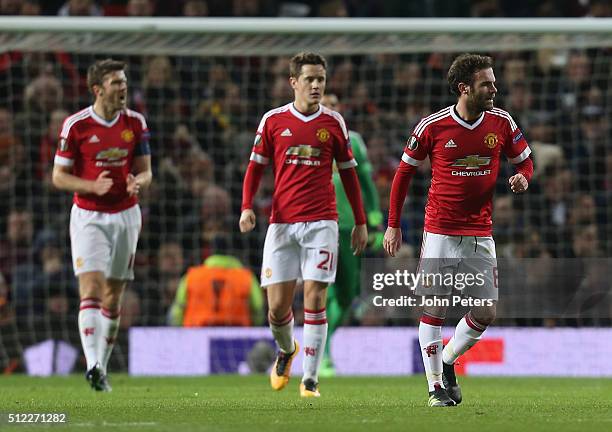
{"x": 202, "y": 111}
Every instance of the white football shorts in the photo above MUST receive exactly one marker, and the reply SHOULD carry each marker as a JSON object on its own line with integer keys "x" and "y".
{"x": 306, "y": 250}
{"x": 460, "y": 265}
{"x": 105, "y": 242}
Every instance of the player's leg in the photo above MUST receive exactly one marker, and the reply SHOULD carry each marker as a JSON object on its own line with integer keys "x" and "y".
{"x": 437, "y": 260}
{"x": 279, "y": 272}
{"x": 109, "y": 319}
{"x": 430, "y": 341}
{"x": 280, "y": 316}
{"x": 318, "y": 258}
{"x": 123, "y": 228}
{"x": 468, "y": 332}
{"x": 315, "y": 335}
{"x": 340, "y": 296}
{"x": 91, "y": 251}
{"x": 91, "y": 287}
{"x": 481, "y": 262}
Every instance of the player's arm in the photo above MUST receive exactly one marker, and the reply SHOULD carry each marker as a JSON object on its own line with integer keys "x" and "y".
{"x": 63, "y": 164}
{"x": 518, "y": 152}
{"x": 260, "y": 157}
{"x": 519, "y": 182}
{"x": 413, "y": 156}
{"x": 64, "y": 179}
{"x": 141, "y": 175}
{"x": 250, "y": 185}
{"x": 392, "y": 241}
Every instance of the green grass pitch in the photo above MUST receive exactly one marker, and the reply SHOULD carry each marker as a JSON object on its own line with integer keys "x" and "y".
{"x": 235, "y": 403}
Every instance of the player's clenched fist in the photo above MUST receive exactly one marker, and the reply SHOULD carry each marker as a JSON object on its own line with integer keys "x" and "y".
{"x": 392, "y": 241}
{"x": 518, "y": 183}
{"x": 103, "y": 183}
{"x": 247, "y": 220}
{"x": 133, "y": 187}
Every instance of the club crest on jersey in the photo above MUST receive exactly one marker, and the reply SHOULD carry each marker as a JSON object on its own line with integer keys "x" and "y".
{"x": 323, "y": 135}
{"x": 413, "y": 144}
{"x": 490, "y": 140}
{"x": 63, "y": 145}
{"x": 268, "y": 273}
{"x": 127, "y": 135}
{"x": 257, "y": 140}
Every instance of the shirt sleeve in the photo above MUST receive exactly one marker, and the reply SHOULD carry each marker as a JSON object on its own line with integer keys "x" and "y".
{"x": 516, "y": 148}
{"x": 417, "y": 147}
{"x": 143, "y": 147}
{"x": 262, "y": 144}
{"x": 68, "y": 145}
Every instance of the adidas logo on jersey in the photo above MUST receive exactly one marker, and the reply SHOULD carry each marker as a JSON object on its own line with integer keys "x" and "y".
{"x": 450, "y": 144}
{"x": 94, "y": 139}
{"x": 286, "y": 132}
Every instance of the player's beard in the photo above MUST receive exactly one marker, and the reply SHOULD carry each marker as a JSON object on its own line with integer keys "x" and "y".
{"x": 479, "y": 104}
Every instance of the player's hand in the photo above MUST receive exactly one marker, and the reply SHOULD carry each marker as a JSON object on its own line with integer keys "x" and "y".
{"x": 392, "y": 241}
{"x": 359, "y": 239}
{"x": 102, "y": 184}
{"x": 133, "y": 187}
{"x": 518, "y": 183}
{"x": 247, "y": 220}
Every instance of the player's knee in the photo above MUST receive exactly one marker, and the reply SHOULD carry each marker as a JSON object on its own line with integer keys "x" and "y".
{"x": 91, "y": 287}
{"x": 484, "y": 316}
{"x": 279, "y": 313}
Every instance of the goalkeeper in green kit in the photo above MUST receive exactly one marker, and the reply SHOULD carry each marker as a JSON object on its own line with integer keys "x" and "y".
{"x": 341, "y": 294}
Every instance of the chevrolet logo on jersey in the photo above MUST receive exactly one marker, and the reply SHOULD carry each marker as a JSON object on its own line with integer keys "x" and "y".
{"x": 303, "y": 151}
{"x": 472, "y": 162}
{"x": 111, "y": 154}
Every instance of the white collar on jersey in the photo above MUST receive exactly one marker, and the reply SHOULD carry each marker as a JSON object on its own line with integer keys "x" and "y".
{"x": 463, "y": 122}
{"x": 102, "y": 121}
{"x": 302, "y": 116}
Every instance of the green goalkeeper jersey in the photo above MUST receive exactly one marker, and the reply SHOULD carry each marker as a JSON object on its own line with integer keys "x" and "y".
{"x": 346, "y": 220}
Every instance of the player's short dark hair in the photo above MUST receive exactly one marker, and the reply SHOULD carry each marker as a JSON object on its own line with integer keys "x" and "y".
{"x": 463, "y": 69}
{"x": 101, "y": 68}
{"x": 305, "y": 58}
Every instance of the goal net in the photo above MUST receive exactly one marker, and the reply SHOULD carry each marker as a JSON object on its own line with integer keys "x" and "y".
{"x": 203, "y": 86}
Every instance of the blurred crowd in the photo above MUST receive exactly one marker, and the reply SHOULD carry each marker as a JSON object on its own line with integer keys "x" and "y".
{"x": 203, "y": 112}
{"x": 310, "y": 8}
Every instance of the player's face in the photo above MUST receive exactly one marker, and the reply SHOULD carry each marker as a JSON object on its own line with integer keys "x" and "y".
{"x": 309, "y": 86}
{"x": 113, "y": 92}
{"x": 482, "y": 92}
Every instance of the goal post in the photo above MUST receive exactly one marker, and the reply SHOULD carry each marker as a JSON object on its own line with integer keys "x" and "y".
{"x": 276, "y": 36}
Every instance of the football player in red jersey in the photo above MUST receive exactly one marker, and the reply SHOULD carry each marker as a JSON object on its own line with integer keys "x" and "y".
{"x": 301, "y": 140}
{"x": 464, "y": 143}
{"x": 105, "y": 159}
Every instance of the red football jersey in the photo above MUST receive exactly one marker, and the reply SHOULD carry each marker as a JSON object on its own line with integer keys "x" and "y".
{"x": 464, "y": 163}
{"x": 302, "y": 149}
{"x": 89, "y": 144}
